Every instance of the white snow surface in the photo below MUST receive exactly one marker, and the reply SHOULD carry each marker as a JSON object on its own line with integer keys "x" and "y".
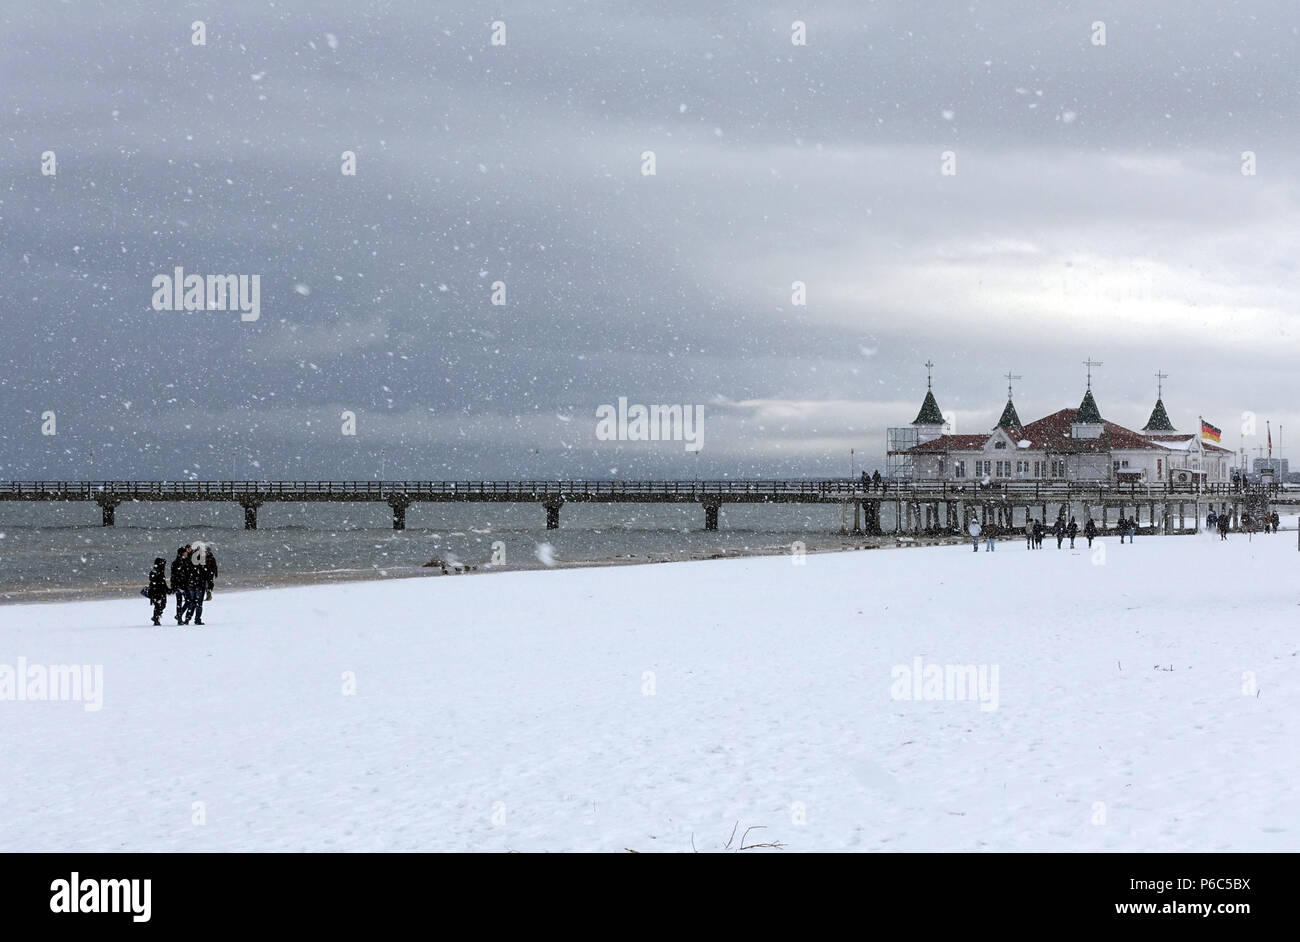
{"x": 514, "y": 711}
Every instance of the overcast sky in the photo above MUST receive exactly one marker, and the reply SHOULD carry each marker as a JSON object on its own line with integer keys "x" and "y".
{"x": 1098, "y": 210}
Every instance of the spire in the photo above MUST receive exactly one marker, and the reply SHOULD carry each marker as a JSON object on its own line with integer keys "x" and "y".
{"x": 1088, "y": 413}
{"x": 930, "y": 413}
{"x": 1009, "y": 418}
{"x": 1159, "y": 421}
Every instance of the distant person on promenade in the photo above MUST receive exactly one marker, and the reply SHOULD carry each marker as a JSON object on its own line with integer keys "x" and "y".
{"x": 1072, "y": 531}
{"x": 974, "y": 531}
{"x": 1058, "y": 529}
{"x": 1039, "y": 530}
{"x": 989, "y": 532}
{"x": 1029, "y": 533}
{"x": 157, "y": 591}
{"x": 1224, "y": 522}
{"x": 1090, "y": 530}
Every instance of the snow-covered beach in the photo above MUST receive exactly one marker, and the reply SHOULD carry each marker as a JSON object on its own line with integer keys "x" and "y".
{"x": 1139, "y": 697}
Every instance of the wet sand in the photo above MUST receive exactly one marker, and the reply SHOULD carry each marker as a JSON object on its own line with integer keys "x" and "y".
{"x": 244, "y": 582}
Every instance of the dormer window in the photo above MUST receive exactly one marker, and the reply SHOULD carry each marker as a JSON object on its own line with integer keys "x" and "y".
{"x": 999, "y": 444}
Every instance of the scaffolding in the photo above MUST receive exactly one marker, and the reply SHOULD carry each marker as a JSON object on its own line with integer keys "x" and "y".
{"x": 898, "y": 458}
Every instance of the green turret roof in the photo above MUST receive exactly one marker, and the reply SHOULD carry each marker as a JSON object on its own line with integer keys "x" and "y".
{"x": 1159, "y": 421}
{"x": 1009, "y": 418}
{"x": 1088, "y": 413}
{"x": 929, "y": 414}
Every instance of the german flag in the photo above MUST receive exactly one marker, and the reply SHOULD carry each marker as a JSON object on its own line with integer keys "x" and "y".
{"x": 1209, "y": 433}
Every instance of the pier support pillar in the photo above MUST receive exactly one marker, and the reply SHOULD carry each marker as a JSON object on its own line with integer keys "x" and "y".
{"x": 250, "y": 516}
{"x": 553, "y": 513}
{"x": 399, "y": 506}
{"x": 857, "y": 516}
{"x": 109, "y": 509}
{"x": 710, "y": 515}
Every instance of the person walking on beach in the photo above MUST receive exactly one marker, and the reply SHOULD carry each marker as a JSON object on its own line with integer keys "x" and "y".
{"x": 1029, "y": 532}
{"x": 180, "y": 579}
{"x": 157, "y": 591}
{"x": 1090, "y": 530}
{"x": 1058, "y": 529}
{"x": 1277, "y": 522}
{"x": 1132, "y": 528}
{"x": 203, "y": 557}
{"x": 1121, "y": 526}
{"x": 1224, "y": 522}
{"x": 1038, "y": 534}
{"x": 1072, "y": 531}
{"x": 197, "y": 586}
{"x": 974, "y": 531}
{"x": 989, "y": 532}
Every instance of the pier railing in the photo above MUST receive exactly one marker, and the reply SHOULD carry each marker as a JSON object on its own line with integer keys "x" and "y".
{"x": 629, "y": 490}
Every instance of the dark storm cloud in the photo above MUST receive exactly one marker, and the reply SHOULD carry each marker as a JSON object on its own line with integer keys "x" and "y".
{"x": 1098, "y": 209}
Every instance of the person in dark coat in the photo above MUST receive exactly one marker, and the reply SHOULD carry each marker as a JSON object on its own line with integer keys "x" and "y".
{"x": 875, "y": 480}
{"x": 1122, "y": 526}
{"x": 1224, "y": 522}
{"x": 204, "y": 557}
{"x": 157, "y": 592}
{"x": 1058, "y": 529}
{"x": 196, "y": 586}
{"x": 1072, "y": 531}
{"x": 1277, "y": 522}
{"x": 180, "y": 579}
{"x": 1090, "y": 530}
{"x": 1039, "y": 530}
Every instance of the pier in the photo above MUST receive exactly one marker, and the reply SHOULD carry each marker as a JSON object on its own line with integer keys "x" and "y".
{"x": 904, "y": 508}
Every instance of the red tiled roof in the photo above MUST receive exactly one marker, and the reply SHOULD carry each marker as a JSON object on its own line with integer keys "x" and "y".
{"x": 950, "y": 443}
{"x": 1052, "y": 433}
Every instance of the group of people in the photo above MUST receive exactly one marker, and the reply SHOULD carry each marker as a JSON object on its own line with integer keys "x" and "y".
{"x": 193, "y": 573}
{"x": 871, "y": 482}
{"x": 1035, "y": 531}
{"x": 1269, "y": 523}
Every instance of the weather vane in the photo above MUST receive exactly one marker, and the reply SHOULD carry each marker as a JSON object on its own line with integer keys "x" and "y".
{"x": 1160, "y": 387}
{"x": 1090, "y": 363}
{"x": 929, "y": 373}
{"x": 1010, "y": 376}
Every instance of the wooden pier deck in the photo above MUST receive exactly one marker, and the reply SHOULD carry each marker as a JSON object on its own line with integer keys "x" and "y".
{"x": 917, "y": 507}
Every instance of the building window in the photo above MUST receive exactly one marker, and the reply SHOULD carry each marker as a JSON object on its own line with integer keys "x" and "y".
{"x": 1159, "y": 468}
{"x": 1058, "y": 467}
{"x": 959, "y": 469}
{"x": 999, "y": 444}
{"x": 983, "y": 468}
{"x": 1120, "y": 464}
{"x": 1022, "y": 469}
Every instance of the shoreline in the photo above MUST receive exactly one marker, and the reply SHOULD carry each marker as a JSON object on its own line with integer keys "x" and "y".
{"x": 41, "y": 595}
